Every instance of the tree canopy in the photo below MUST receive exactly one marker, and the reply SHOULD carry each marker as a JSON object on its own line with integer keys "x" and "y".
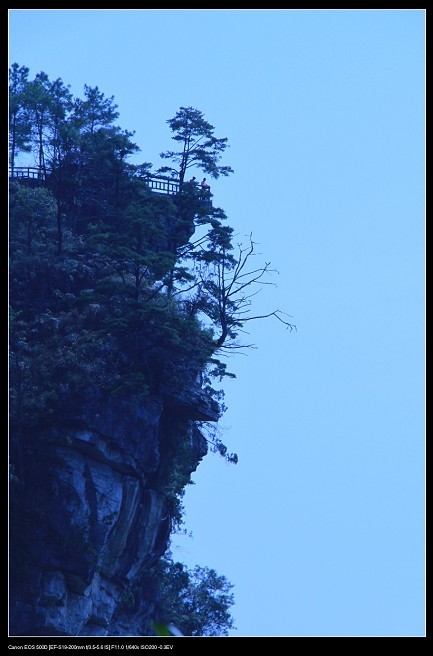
{"x": 196, "y": 601}
{"x": 198, "y": 147}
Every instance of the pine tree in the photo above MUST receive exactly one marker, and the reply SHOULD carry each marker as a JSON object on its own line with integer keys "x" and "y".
{"x": 198, "y": 145}
{"x": 20, "y": 126}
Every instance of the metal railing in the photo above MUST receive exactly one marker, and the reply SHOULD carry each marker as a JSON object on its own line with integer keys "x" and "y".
{"x": 27, "y": 172}
{"x": 158, "y": 183}
{"x": 166, "y": 185}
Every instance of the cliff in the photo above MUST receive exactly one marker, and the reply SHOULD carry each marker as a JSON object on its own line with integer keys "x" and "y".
{"x": 102, "y": 513}
{"x": 124, "y": 286}
{"x": 107, "y": 397}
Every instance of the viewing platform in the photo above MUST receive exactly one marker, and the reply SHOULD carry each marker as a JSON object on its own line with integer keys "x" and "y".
{"x": 158, "y": 183}
{"x": 164, "y": 185}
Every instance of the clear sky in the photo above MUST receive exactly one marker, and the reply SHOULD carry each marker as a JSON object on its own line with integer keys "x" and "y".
{"x": 320, "y": 526}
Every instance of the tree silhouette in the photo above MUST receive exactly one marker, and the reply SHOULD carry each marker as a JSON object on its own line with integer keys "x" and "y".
{"x": 198, "y": 146}
{"x": 20, "y": 127}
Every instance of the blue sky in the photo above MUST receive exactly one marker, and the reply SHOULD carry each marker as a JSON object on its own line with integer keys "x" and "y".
{"x": 320, "y": 526}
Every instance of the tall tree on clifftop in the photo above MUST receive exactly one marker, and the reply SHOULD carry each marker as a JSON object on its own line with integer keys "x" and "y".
{"x": 198, "y": 146}
{"x": 20, "y": 131}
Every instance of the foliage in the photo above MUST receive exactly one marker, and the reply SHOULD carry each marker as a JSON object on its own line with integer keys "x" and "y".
{"x": 32, "y": 225}
{"x": 19, "y": 120}
{"x": 195, "y": 601}
{"x": 112, "y": 285}
{"x": 198, "y": 147}
{"x": 146, "y": 241}
{"x": 210, "y": 433}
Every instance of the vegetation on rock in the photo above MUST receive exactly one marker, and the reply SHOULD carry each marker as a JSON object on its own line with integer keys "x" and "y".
{"x": 117, "y": 292}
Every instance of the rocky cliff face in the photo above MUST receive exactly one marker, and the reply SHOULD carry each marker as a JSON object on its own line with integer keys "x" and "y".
{"x": 99, "y": 507}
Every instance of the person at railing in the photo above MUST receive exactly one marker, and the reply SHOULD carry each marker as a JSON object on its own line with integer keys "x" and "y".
{"x": 205, "y": 190}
